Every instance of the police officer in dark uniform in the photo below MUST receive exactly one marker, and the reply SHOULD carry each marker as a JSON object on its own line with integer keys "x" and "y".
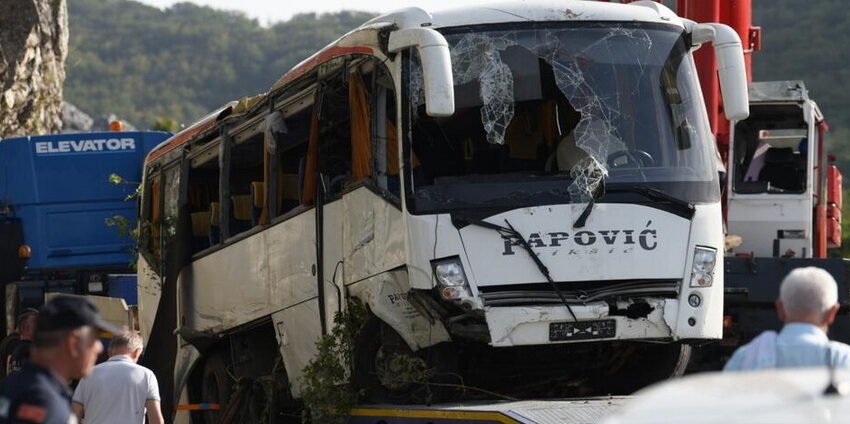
{"x": 65, "y": 347}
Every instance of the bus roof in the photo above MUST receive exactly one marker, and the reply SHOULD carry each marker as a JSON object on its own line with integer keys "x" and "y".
{"x": 505, "y": 12}
{"x": 536, "y": 11}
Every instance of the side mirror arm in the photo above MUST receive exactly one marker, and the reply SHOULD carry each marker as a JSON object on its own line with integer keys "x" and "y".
{"x": 730, "y": 66}
{"x": 436, "y": 66}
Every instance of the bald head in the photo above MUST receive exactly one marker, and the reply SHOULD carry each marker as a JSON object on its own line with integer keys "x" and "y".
{"x": 808, "y": 295}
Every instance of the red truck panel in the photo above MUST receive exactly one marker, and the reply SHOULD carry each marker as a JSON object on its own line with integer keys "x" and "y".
{"x": 833, "y": 234}
{"x": 833, "y": 187}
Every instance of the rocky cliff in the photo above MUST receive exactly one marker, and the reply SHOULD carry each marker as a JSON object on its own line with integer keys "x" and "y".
{"x": 33, "y": 47}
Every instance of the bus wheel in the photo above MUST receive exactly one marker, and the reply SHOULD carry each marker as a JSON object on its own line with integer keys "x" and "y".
{"x": 216, "y": 386}
{"x": 648, "y": 364}
{"x": 389, "y": 372}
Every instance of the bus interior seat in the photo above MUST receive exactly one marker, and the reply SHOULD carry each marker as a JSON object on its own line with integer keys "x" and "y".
{"x": 780, "y": 169}
{"x": 288, "y": 192}
{"x": 200, "y": 230}
{"x": 257, "y": 201}
{"x": 241, "y": 213}
{"x": 215, "y": 223}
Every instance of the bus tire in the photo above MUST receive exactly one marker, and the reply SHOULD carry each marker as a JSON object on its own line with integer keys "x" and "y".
{"x": 649, "y": 364}
{"x": 216, "y": 386}
{"x": 377, "y": 340}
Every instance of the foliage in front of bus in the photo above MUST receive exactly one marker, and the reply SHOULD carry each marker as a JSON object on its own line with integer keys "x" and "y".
{"x": 555, "y": 114}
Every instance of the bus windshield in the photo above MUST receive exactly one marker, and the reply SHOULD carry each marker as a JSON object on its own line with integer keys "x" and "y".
{"x": 545, "y": 115}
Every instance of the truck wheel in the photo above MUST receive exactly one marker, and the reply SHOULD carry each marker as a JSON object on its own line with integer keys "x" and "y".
{"x": 216, "y": 386}
{"x": 380, "y": 354}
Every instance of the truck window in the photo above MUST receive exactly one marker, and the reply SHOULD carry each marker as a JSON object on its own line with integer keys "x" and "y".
{"x": 771, "y": 152}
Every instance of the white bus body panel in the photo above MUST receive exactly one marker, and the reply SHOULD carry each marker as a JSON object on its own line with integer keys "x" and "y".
{"x": 149, "y": 288}
{"x": 373, "y": 235}
{"x": 481, "y": 252}
{"x": 542, "y": 11}
{"x": 618, "y": 242}
{"x": 266, "y": 272}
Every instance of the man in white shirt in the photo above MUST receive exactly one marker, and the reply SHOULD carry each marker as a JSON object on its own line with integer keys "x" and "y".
{"x": 808, "y": 303}
{"x": 119, "y": 390}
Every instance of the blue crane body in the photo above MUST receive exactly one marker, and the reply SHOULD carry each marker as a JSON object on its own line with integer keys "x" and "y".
{"x": 56, "y": 204}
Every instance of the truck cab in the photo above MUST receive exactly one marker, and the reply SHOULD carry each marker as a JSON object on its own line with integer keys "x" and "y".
{"x": 61, "y": 217}
{"x": 784, "y": 195}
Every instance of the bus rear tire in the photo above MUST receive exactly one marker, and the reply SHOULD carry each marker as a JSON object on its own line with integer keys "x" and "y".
{"x": 216, "y": 386}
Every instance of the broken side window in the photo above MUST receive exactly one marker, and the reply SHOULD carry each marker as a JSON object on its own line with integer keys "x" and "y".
{"x": 203, "y": 192}
{"x": 246, "y": 173}
{"x": 151, "y": 218}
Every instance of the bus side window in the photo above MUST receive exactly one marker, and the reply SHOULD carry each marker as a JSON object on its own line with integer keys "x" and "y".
{"x": 385, "y": 134}
{"x": 290, "y": 165}
{"x": 203, "y": 195}
{"x": 246, "y": 171}
{"x": 334, "y": 138}
{"x": 171, "y": 201}
{"x": 151, "y": 213}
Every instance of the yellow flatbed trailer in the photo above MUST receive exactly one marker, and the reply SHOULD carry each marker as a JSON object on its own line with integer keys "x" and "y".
{"x": 572, "y": 411}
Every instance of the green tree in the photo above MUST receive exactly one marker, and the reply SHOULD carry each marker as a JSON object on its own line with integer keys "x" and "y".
{"x": 143, "y": 63}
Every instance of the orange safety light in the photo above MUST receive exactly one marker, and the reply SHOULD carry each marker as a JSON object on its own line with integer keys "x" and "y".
{"x": 116, "y": 125}
{"x": 24, "y": 252}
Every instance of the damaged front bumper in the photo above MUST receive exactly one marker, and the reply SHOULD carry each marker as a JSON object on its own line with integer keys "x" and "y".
{"x": 537, "y": 325}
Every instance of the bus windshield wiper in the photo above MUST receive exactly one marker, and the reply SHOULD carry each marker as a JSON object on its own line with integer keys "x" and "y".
{"x": 654, "y": 194}
{"x": 600, "y": 193}
{"x": 510, "y": 231}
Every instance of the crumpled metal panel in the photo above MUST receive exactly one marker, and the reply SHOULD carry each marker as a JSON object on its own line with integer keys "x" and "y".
{"x": 297, "y": 330}
{"x": 149, "y": 289}
{"x": 529, "y": 325}
{"x": 373, "y": 235}
{"x": 267, "y": 271}
{"x": 386, "y": 294}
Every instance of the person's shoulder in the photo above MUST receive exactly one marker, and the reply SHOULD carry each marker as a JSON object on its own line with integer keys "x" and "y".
{"x": 148, "y": 372}
{"x": 28, "y": 397}
{"x": 754, "y": 354}
{"x": 22, "y": 348}
{"x": 841, "y": 352}
{"x": 21, "y": 380}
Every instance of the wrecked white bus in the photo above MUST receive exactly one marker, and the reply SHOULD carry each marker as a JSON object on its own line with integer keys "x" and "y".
{"x": 524, "y": 196}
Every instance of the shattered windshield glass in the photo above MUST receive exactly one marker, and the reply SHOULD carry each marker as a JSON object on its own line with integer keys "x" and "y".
{"x": 545, "y": 115}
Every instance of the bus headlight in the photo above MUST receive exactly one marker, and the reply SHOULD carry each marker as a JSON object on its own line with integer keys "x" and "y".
{"x": 703, "y": 266}
{"x": 451, "y": 278}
